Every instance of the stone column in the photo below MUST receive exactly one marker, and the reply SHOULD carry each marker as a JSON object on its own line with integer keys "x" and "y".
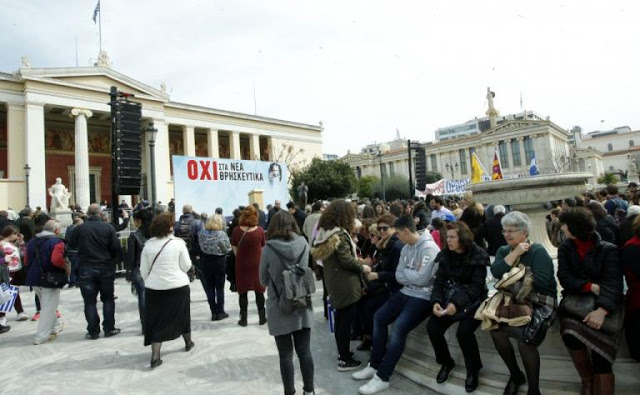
{"x": 234, "y": 142}
{"x": 163, "y": 158}
{"x": 510, "y": 155}
{"x": 212, "y": 143}
{"x": 15, "y": 141}
{"x": 82, "y": 192}
{"x": 523, "y": 156}
{"x": 34, "y": 154}
{"x": 254, "y": 147}
{"x": 189, "y": 139}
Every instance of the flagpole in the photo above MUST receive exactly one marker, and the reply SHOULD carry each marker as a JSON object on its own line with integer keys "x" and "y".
{"x": 100, "y": 24}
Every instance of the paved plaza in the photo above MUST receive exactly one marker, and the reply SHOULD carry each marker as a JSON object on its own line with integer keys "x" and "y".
{"x": 227, "y": 359}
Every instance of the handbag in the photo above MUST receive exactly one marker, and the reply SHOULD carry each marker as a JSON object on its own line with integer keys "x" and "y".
{"x": 577, "y": 306}
{"x": 542, "y": 318}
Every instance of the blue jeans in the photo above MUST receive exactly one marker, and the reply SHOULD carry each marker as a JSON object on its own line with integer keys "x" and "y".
{"x": 406, "y": 313}
{"x": 213, "y": 277}
{"x": 94, "y": 280}
{"x": 138, "y": 283}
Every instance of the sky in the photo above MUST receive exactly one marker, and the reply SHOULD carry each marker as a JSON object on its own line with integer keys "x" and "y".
{"x": 363, "y": 68}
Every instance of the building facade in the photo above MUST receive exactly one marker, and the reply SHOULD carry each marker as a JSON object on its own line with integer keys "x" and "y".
{"x": 57, "y": 121}
{"x": 620, "y": 148}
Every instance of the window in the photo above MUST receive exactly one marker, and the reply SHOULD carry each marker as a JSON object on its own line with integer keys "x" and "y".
{"x": 383, "y": 170}
{"x": 504, "y": 156}
{"x": 392, "y": 169}
{"x": 610, "y": 147}
{"x": 610, "y": 167}
{"x": 529, "y": 153}
{"x": 434, "y": 164}
{"x": 630, "y": 143}
{"x": 463, "y": 161}
{"x": 358, "y": 172}
{"x": 515, "y": 152}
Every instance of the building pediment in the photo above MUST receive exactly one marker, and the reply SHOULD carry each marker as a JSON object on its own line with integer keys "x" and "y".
{"x": 511, "y": 126}
{"x": 93, "y": 78}
{"x": 350, "y": 158}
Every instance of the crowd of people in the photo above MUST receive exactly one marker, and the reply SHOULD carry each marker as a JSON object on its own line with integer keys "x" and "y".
{"x": 380, "y": 263}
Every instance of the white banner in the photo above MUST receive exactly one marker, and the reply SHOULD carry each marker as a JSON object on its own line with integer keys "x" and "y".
{"x": 449, "y": 187}
{"x": 208, "y": 183}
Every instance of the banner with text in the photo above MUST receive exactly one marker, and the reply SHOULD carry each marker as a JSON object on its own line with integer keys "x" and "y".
{"x": 208, "y": 183}
{"x": 449, "y": 187}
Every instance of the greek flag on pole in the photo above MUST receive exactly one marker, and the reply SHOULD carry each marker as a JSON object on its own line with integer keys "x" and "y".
{"x": 533, "y": 169}
{"x": 96, "y": 11}
{"x": 7, "y": 306}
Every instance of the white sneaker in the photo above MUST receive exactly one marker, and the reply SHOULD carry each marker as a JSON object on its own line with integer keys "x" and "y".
{"x": 22, "y": 317}
{"x": 374, "y": 386}
{"x": 364, "y": 374}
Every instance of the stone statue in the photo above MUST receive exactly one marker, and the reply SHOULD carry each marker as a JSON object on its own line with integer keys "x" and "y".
{"x": 631, "y": 165}
{"x": 103, "y": 60}
{"x": 59, "y": 196}
{"x": 25, "y": 62}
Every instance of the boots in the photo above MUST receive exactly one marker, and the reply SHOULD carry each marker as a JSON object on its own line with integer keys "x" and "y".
{"x": 263, "y": 316}
{"x": 243, "y": 318}
{"x": 604, "y": 384}
{"x": 582, "y": 362}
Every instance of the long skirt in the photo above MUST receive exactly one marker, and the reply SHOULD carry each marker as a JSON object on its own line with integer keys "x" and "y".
{"x": 167, "y": 314}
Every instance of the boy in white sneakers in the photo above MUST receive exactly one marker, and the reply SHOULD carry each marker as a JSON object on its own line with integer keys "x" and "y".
{"x": 406, "y": 309}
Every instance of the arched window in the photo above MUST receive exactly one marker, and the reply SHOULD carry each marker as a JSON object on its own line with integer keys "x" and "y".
{"x": 610, "y": 147}
{"x": 610, "y": 168}
{"x": 630, "y": 143}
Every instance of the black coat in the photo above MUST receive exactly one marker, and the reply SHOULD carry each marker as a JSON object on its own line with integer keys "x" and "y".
{"x": 493, "y": 234}
{"x": 469, "y": 273}
{"x": 626, "y": 230}
{"x": 475, "y": 222}
{"x": 96, "y": 242}
{"x": 388, "y": 259}
{"x": 600, "y": 266}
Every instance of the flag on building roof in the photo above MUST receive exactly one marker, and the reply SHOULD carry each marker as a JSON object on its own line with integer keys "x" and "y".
{"x": 477, "y": 170}
{"x": 96, "y": 11}
{"x": 497, "y": 168}
{"x": 533, "y": 168}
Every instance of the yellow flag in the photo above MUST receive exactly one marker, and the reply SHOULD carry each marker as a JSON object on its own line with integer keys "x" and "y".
{"x": 476, "y": 169}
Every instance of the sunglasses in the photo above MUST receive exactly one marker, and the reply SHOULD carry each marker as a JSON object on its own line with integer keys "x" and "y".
{"x": 383, "y": 228}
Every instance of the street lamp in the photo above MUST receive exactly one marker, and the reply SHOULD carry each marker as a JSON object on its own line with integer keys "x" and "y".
{"x": 384, "y": 196}
{"x": 27, "y": 170}
{"x": 151, "y": 138}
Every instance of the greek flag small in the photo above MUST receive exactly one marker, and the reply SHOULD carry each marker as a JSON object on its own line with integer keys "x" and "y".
{"x": 96, "y": 11}
{"x": 12, "y": 292}
{"x": 533, "y": 169}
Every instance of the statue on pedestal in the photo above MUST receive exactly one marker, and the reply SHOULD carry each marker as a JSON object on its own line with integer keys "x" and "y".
{"x": 59, "y": 197}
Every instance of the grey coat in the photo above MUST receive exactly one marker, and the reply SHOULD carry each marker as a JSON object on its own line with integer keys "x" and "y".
{"x": 271, "y": 268}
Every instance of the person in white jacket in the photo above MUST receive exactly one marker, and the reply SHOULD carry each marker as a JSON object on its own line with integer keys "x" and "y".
{"x": 406, "y": 309}
{"x": 164, "y": 264}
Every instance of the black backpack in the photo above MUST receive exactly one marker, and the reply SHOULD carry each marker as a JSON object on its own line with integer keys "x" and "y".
{"x": 184, "y": 231}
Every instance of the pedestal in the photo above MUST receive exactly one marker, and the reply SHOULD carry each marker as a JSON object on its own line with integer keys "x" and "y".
{"x": 255, "y": 196}
{"x": 63, "y": 217}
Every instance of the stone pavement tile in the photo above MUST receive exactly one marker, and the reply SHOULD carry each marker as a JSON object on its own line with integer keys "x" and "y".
{"x": 227, "y": 359}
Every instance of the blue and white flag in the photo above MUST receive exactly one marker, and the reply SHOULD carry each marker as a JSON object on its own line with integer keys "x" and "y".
{"x": 533, "y": 168}
{"x": 11, "y": 294}
{"x": 96, "y": 11}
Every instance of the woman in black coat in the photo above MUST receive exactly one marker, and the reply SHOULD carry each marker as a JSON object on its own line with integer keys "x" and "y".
{"x": 381, "y": 282}
{"x": 421, "y": 216}
{"x": 459, "y": 288}
{"x": 587, "y": 265}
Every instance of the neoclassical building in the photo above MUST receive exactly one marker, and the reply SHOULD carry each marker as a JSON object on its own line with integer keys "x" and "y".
{"x": 517, "y": 139}
{"x": 57, "y": 121}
